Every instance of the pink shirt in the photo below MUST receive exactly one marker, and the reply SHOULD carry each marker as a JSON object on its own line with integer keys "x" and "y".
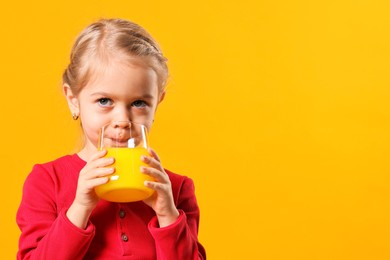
{"x": 115, "y": 230}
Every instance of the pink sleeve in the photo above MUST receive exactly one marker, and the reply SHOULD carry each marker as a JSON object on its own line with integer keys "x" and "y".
{"x": 45, "y": 233}
{"x": 180, "y": 239}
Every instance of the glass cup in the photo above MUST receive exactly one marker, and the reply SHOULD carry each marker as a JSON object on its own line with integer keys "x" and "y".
{"x": 126, "y": 142}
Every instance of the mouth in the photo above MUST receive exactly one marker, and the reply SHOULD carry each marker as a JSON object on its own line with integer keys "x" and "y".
{"x": 120, "y": 137}
{"x": 119, "y": 142}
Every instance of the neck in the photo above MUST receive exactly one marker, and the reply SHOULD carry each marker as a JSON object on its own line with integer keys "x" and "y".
{"x": 87, "y": 151}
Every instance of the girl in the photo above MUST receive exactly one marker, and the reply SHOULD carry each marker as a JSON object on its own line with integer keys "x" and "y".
{"x": 116, "y": 73}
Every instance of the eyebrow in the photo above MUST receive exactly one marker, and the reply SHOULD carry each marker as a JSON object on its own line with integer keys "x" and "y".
{"x": 100, "y": 94}
{"x": 144, "y": 96}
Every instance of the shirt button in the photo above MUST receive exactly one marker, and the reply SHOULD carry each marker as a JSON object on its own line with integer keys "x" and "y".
{"x": 122, "y": 213}
{"x": 124, "y": 237}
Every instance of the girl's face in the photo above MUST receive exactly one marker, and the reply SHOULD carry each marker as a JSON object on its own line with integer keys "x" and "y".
{"x": 122, "y": 92}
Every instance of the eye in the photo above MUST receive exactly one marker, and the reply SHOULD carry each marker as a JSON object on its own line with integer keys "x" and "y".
{"x": 105, "y": 102}
{"x": 139, "y": 103}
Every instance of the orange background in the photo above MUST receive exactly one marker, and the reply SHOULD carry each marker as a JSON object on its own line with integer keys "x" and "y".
{"x": 279, "y": 111}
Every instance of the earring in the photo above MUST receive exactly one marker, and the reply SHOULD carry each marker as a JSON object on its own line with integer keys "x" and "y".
{"x": 75, "y": 116}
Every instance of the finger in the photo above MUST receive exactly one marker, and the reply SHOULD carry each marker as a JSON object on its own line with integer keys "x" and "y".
{"x": 97, "y": 155}
{"x": 97, "y": 168}
{"x": 91, "y": 184}
{"x": 156, "y": 186}
{"x": 101, "y": 172}
{"x": 106, "y": 161}
{"x": 156, "y": 174}
{"x": 152, "y": 162}
{"x": 153, "y": 154}
{"x": 101, "y": 162}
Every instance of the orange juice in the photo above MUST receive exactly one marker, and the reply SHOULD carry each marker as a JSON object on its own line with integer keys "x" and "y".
{"x": 127, "y": 183}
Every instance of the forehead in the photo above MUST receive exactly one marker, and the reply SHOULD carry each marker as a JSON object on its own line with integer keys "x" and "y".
{"x": 122, "y": 77}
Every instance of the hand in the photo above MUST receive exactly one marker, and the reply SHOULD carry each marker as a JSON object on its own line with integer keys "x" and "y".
{"x": 162, "y": 200}
{"x": 94, "y": 173}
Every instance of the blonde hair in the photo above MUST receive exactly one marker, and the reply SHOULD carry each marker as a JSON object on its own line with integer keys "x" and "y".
{"x": 106, "y": 39}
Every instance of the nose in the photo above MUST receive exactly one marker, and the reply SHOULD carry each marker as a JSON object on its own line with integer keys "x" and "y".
{"x": 121, "y": 124}
{"x": 121, "y": 114}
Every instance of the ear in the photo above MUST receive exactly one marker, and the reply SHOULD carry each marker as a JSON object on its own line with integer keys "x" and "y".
{"x": 160, "y": 99}
{"x": 162, "y": 96}
{"x": 73, "y": 101}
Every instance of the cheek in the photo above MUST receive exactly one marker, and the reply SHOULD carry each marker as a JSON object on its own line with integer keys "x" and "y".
{"x": 91, "y": 128}
{"x": 143, "y": 115}
{"x": 91, "y": 132}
